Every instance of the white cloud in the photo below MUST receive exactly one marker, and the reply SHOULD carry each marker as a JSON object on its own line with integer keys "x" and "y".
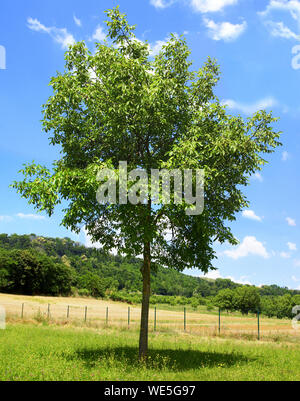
{"x": 99, "y": 34}
{"x": 161, "y": 3}
{"x": 242, "y": 280}
{"x": 250, "y": 108}
{"x": 285, "y": 156}
{"x": 292, "y": 246}
{"x": 215, "y": 274}
{"x": 294, "y": 278}
{"x": 59, "y": 35}
{"x": 291, "y": 6}
{"x": 77, "y": 21}
{"x": 5, "y": 219}
{"x": 206, "y": 6}
{"x": 291, "y": 222}
{"x": 249, "y": 246}
{"x": 250, "y": 214}
{"x": 35, "y": 25}
{"x": 278, "y": 29}
{"x": 284, "y": 255}
{"x": 30, "y": 216}
{"x": 258, "y": 177}
{"x": 297, "y": 262}
{"x": 224, "y": 30}
{"x": 202, "y": 6}
{"x": 90, "y": 244}
{"x": 156, "y": 47}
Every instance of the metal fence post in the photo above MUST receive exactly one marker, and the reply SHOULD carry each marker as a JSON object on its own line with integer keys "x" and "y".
{"x": 85, "y": 314}
{"x": 48, "y": 311}
{"x": 128, "y": 316}
{"x": 22, "y": 312}
{"x": 258, "y": 325}
{"x": 68, "y": 312}
{"x": 184, "y": 319}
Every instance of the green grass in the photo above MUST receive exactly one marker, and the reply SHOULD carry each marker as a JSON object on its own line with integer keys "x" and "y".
{"x": 41, "y": 352}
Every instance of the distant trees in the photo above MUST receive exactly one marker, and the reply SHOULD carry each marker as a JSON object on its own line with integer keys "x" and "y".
{"x": 280, "y": 306}
{"x": 244, "y": 299}
{"x": 53, "y": 266}
{"x": 30, "y": 272}
{"x": 92, "y": 283}
{"x": 224, "y": 299}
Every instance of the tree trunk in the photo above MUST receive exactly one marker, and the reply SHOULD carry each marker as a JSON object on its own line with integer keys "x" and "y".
{"x": 143, "y": 349}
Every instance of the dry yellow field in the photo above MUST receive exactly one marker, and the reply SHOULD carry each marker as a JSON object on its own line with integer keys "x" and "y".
{"x": 92, "y": 312}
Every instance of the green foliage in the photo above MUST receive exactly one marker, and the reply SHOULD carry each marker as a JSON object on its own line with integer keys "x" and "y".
{"x": 224, "y": 299}
{"x": 120, "y": 103}
{"x": 31, "y": 272}
{"x": 246, "y": 299}
{"x": 92, "y": 283}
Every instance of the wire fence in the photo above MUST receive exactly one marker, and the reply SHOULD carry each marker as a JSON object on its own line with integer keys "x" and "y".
{"x": 119, "y": 315}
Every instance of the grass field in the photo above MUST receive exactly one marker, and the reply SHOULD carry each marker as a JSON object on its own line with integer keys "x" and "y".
{"x": 71, "y": 312}
{"x": 38, "y": 348}
{"x": 31, "y": 352}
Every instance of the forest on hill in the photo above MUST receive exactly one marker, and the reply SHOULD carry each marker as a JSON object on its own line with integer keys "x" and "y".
{"x": 35, "y": 265}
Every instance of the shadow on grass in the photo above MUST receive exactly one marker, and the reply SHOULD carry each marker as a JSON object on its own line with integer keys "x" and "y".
{"x": 179, "y": 360}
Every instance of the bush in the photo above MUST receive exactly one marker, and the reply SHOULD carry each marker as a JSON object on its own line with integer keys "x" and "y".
{"x": 83, "y": 292}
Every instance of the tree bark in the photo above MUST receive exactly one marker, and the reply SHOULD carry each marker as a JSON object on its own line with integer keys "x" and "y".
{"x": 143, "y": 348}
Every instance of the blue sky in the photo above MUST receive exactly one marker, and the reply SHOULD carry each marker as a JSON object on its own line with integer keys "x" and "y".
{"x": 257, "y": 44}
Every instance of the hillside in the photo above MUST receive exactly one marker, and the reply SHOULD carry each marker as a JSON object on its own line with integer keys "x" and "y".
{"x": 92, "y": 272}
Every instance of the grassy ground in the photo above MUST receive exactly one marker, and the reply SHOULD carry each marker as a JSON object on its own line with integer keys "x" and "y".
{"x": 42, "y": 347}
{"x": 43, "y": 352}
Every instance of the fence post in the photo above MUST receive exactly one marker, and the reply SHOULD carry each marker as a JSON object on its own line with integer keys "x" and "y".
{"x": 48, "y": 311}
{"x": 184, "y": 319}
{"x": 155, "y": 318}
{"x": 22, "y": 312}
{"x": 106, "y": 315}
{"x": 128, "y": 316}
{"x": 219, "y": 321}
{"x": 68, "y": 312}
{"x": 85, "y": 314}
{"x": 258, "y": 325}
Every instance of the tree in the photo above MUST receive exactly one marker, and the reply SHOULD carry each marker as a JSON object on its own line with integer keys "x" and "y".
{"x": 31, "y": 273}
{"x": 246, "y": 299}
{"x": 121, "y": 104}
{"x": 224, "y": 299}
{"x": 283, "y": 306}
{"x": 92, "y": 283}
